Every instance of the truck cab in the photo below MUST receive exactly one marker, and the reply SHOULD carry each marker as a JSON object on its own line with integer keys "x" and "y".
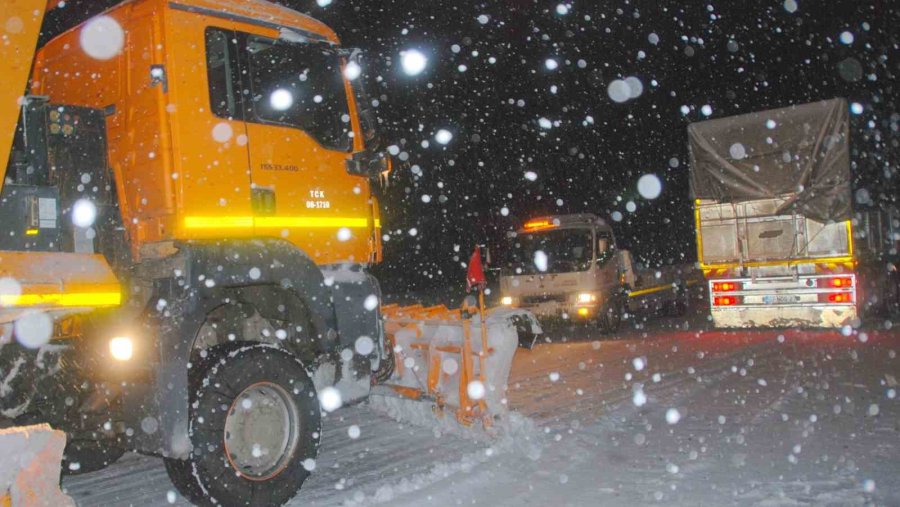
{"x": 566, "y": 267}
{"x": 191, "y": 204}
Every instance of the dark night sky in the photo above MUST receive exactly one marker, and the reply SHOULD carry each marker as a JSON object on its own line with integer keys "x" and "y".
{"x": 736, "y": 57}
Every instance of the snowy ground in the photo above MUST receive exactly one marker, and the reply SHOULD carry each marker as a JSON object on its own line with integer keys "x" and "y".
{"x": 750, "y": 418}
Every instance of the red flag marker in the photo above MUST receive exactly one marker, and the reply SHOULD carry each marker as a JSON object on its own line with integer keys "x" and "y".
{"x": 475, "y": 275}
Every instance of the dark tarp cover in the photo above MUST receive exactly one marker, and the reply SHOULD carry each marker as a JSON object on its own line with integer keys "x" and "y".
{"x": 799, "y": 151}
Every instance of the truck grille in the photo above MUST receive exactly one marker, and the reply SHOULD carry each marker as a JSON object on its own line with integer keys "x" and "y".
{"x": 543, "y": 298}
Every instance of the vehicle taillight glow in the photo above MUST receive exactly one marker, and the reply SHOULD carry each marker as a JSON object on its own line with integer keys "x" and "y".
{"x": 840, "y": 282}
{"x": 724, "y": 286}
{"x": 725, "y": 301}
{"x": 839, "y": 298}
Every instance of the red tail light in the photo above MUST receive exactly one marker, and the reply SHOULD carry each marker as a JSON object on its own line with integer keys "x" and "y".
{"x": 839, "y": 282}
{"x": 725, "y": 286}
{"x": 842, "y": 297}
{"x": 725, "y": 301}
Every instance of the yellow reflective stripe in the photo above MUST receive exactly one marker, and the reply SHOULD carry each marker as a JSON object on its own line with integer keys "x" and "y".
{"x": 651, "y": 290}
{"x": 786, "y": 262}
{"x": 311, "y": 222}
{"x": 218, "y": 222}
{"x": 62, "y": 299}
{"x": 244, "y": 222}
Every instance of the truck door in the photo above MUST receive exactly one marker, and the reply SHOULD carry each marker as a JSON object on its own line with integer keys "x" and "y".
{"x": 301, "y": 132}
{"x": 605, "y": 258}
{"x": 211, "y": 155}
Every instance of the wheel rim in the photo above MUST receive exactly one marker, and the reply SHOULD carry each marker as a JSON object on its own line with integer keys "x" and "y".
{"x": 262, "y": 431}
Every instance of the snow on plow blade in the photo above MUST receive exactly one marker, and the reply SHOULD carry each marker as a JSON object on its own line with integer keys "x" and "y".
{"x": 29, "y": 471}
{"x": 446, "y": 357}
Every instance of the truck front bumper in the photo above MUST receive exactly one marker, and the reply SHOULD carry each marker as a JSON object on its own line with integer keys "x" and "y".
{"x": 554, "y": 310}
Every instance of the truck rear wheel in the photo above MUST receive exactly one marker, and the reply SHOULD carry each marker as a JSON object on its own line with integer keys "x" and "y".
{"x": 254, "y": 422}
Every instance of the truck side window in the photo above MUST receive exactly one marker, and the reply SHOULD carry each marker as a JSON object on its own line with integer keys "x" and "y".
{"x": 221, "y": 71}
{"x": 299, "y": 85}
{"x": 605, "y": 247}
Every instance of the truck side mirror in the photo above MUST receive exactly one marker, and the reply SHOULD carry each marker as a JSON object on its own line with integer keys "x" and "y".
{"x": 602, "y": 245}
{"x": 375, "y": 165}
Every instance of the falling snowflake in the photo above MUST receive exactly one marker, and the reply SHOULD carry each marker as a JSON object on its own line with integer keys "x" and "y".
{"x": 443, "y": 136}
{"x": 330, "y": 399}
{"x": 413, "y": 62}
{"x": 102, "y": 38}
{"x": 673, "y": 416}
{"x": 649, "y": 186}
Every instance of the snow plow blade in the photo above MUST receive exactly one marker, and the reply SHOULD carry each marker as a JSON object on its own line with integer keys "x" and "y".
{"x": 448, "y": 358}
{"x": 59, "y": 283}
{"x": 29, "y": 475}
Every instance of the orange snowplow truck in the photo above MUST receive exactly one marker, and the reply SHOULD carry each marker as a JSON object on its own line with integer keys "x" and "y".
{"x": 186, "y": 222}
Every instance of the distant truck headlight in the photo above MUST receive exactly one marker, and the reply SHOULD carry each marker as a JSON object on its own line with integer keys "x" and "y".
{"x": 586, "y": 297}
{"x": 121, "y": 348}
{"x": 506, "y": 301}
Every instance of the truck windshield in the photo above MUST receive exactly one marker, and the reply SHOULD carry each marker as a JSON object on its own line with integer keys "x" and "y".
{"x": 554, "y": 251}
{"x": 300, "y": 85}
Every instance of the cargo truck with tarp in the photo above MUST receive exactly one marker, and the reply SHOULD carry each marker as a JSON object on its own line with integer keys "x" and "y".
{"x": 777, "y": 236}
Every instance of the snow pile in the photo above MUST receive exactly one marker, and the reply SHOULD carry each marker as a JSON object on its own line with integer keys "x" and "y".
{"x": 518, "y": 438}
{"x": 29, "y": 471}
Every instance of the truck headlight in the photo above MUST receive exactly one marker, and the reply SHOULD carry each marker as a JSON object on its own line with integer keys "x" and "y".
{"x": 121, "y": 348}
{"x": 506, "y": 301}
{"x": 586, "y": 297}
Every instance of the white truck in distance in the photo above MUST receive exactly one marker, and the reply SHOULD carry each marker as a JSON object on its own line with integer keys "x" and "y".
{"x": 568, "y": 267}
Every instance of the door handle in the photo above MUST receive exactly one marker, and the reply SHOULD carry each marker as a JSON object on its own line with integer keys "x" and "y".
{"x": 262, "y": 200}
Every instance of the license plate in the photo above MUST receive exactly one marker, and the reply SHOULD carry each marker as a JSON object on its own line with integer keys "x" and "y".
{"x": 779, "y": 299}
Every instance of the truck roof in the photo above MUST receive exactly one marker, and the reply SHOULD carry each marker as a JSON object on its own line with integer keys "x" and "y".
{"x": 801, "y": 151}
{"x": 256, "y": 11}
{"x": 259, "y": 12}
{"x": 570, "y": 221}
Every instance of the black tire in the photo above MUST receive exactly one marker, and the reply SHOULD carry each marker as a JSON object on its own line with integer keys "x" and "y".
{"x": 181, "y": 473}
{"x": 85, "y": 456}
{"x": 214, "y": 475}
{"x": 610, "y": 320}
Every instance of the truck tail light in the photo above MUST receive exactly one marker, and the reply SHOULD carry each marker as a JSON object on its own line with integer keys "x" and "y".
{"x": 725, "y": 286}
{"x": 839, "y": 282}
{"x": 725, "y": 301}
{"x": 836, "y": 297}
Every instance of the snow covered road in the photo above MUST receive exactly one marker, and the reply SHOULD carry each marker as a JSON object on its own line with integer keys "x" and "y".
{"x": 658, "y": 416}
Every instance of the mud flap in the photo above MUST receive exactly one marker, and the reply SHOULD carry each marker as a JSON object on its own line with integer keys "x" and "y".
{"x": 525, "y": 329}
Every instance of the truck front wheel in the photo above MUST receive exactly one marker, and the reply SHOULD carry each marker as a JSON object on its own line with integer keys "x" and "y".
{"x": 254, "y": 424}
{"x": 610, "y": 320}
